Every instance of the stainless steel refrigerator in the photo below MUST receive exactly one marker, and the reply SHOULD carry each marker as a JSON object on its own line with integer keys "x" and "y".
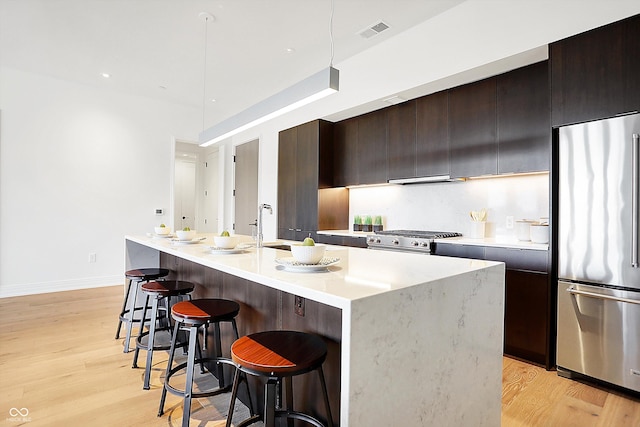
{"x": 598, "y": 255}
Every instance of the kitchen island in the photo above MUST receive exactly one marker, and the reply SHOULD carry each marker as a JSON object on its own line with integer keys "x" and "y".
{"x": 417, "y": 339}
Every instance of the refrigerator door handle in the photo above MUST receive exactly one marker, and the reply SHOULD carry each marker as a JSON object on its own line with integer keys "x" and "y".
{"x": 573, "y": 291}
{"x": 634, "y": 201}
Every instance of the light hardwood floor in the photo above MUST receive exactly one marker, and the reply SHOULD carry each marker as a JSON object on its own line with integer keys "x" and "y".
{"x": 60, "y": 361}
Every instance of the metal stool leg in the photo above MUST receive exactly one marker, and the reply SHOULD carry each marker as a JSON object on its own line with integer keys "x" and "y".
{"x": 193, "y": 333}
{"x": 176, "y": 328}
{"x": 323, "y": 384}
{"x": 124, "y": 308}
{"x": 270, "y": 402}
{"x": 140, "y": 332}
{"x": 132, "y": 310}
{"x": 150, "y": 342}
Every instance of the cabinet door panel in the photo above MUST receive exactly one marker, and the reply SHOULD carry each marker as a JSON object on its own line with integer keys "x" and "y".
{"x": 524, "y": 123}
{"x": 372, "y": 148}
{"x": 432, "y": 134}
{"x": 526, "y": 317}
{"x": 307, "y": 177}
{"x": 345, "y": 144}
{"x": 402, "y": 140}
{"x": 287, "y": 152}
{"x": 594, "y": 74}
{"x": 473, "y": 148}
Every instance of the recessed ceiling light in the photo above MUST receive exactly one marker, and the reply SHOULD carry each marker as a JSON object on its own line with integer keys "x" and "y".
{"x": 290, "y": 50}
{"x": 106, "y": 75}
{"x": 214, "y": 100}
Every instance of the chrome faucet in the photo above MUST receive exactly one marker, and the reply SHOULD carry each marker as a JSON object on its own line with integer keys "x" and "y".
{"x": 260, "y": 237}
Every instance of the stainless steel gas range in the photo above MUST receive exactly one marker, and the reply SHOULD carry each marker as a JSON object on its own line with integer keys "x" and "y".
{"x": 407, "y": 240}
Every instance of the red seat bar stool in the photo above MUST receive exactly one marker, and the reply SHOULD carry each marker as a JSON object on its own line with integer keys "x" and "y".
{"x": 189, "y": 316}
{"x": 278, "y": 355}
{"x": 134, "y": 278}
{"x": 158, "y": 291}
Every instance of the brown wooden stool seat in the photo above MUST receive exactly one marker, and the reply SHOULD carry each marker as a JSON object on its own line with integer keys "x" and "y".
{"x": 189, "y": 316}
{"x": 158, "y": 291}
{"x": 279, "y": 355}
{"x": 134, "y": 277}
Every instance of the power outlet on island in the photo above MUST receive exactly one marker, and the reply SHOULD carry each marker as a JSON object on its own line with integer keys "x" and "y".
{"x": 298, "y": 307}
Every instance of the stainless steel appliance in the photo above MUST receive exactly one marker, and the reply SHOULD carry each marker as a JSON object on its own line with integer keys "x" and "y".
{"x": 407, "y": 240}
{"x": 598, "y": 272}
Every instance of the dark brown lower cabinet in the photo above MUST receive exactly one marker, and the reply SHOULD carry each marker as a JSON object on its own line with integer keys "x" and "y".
{"x": 529, "y": 299}
{"x": 526, "y": 322}
{"x": 263, "y": 308}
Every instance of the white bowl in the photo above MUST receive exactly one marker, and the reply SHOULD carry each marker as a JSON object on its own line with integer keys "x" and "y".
{"x": 540, "y": 233}
{"x": 186, "y": 235}
{"x": 307, "y": 254}
{"x": 225, "y": 242}
{"x": 162, "y": 231}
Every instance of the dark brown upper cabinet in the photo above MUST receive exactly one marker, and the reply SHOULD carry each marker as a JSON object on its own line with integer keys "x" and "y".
{"x": 345, "y": 145}
{"x": 372, "y": 147}
{"x": 473, "y": 147}
{"x": 304, "y": 167}
{"x": 401, "y": 148}
{"x": 524, "y": 122}
{"x": 594, "y": 75}
{"x": 432, "y": 135}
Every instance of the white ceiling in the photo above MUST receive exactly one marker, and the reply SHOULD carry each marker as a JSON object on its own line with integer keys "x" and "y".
{"x": 156, "y": 48}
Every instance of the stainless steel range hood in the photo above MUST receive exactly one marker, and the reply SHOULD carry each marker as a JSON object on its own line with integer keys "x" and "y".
{"x": 425, "y": 180}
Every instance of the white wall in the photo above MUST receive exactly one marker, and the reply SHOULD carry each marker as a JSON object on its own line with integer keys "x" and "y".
{"x": 80, "y": 168}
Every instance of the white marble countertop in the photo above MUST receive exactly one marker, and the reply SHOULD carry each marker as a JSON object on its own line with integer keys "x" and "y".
{"x": 510, "y": 242}
{"x": 360, "y": 273}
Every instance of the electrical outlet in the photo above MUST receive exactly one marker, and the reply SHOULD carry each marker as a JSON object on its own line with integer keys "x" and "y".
{"x": 92, "y": 257}
{"x": 298, "y": 307}
{"x": 509, "y": 222}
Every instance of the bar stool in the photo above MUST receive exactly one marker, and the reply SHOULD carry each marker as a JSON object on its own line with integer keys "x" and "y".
{"x": 129, "y": 307}
{"x": 190, "y": 316}
{"x": 158, "y": 291}
{"x": 278, "y": 355}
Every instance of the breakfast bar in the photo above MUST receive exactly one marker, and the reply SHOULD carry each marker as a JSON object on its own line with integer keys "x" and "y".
{"x": 413, "y": 339}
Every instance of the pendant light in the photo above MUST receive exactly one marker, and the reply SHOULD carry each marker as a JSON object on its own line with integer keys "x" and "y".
{"x": 317, "y": 86}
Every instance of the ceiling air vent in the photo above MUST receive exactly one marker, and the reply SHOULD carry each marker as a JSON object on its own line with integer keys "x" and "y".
{"x": 373, "y": 30}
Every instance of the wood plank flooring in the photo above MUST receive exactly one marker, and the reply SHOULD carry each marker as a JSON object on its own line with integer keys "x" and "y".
{"x": 60, "y": 361}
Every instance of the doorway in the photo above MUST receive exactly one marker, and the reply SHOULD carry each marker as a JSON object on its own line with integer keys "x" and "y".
{"x": 246, "y": 187}
{"x": 184, "y": 212}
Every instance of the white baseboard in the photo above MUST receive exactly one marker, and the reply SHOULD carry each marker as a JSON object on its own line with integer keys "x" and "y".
{"x": 14, "y": 290}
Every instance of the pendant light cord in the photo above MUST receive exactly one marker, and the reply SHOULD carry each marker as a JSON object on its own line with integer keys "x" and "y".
{"x": 204, "y": 74}
{"x": 331, "y": 34}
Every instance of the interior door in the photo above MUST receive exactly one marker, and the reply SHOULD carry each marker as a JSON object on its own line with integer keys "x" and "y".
{"x": 210, "y": 196}
{"x": 246, "y": 187}
{"x": 185, "y": 195}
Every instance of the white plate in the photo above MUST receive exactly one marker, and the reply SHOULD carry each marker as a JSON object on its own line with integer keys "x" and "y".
{"x": 163, "y": 236}
{"x": 187, "y": 242}
{"x": 236, "y": 250}
{"x": 290, "y": 264}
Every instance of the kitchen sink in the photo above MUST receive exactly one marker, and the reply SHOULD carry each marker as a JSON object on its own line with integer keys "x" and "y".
{"x": 279, "y": 246}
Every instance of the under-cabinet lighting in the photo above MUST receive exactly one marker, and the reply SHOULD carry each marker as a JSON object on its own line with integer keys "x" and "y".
{"x": 311, "y": 89}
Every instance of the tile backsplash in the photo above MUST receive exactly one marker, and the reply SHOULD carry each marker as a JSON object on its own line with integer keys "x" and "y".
{"x": 445, "y": 206}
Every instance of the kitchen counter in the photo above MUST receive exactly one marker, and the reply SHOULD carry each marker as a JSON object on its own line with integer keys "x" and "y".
{"x": 344, "y": 233}
{"x": 421, "y": 340}
{"x": 497, "y": 242}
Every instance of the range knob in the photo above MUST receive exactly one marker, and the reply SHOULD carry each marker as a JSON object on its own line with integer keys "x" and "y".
{"x": 425, "y": 244}
{"x": 378, "y": 240}
{"x": 371, "y": 240}
{"x": 414, "y": 243}
{"x": 395, "y": 241}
